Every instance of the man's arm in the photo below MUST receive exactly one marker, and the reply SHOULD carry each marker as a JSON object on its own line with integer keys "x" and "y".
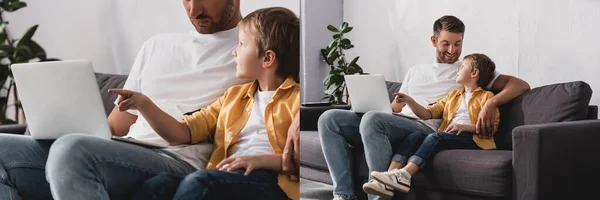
{"x": 291, "y": 152}
{"x": 511, "y": 87}
{"x": 119, "y": 122}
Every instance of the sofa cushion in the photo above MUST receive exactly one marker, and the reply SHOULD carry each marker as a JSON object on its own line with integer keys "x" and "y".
{"x": 311, "y": 152}
{"x": 551, "y": 103}
{"x": 470, "y": 172}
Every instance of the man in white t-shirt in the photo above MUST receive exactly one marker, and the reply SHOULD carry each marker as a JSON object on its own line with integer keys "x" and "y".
{"x": 377, "y": 133}
{"x": 180, "y": 73}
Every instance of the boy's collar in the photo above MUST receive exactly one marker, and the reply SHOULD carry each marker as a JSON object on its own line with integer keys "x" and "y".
{"x": 287, "y": 84}
{"x": 462, "y": 90}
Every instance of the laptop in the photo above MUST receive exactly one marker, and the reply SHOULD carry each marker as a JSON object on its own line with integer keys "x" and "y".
{"x": 369, "y": 93}
{"x": 62, "y": 97}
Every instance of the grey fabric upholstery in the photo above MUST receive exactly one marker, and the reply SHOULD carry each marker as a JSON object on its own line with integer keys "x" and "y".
{"x": 105, "y": 82}
{"x": 494, "y": 174}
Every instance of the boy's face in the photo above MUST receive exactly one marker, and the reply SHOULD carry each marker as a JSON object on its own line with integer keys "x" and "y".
{"x": 249, "y": 64}
{"x": 465, "y": 75}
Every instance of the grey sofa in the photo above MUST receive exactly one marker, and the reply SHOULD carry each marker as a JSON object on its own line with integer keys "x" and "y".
{"x": 105, "y": 82}
{"x": 548, "y": 146}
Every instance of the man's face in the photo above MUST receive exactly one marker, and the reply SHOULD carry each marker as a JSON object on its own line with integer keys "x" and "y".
{"x": 448, "y": 46}
{"x": 210, "y": 16}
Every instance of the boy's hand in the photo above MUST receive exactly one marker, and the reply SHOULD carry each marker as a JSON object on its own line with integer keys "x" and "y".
{"x": 402, "y": 98}
{"x": 460, "y": 128}
{"x": 243, "y": 162}
{"x": 129, "y": 99}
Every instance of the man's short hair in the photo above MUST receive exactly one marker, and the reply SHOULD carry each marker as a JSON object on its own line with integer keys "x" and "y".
{"x": 448, "y": 23}
{"x": 485, "y": 65}
{"x": 277, "y": 29}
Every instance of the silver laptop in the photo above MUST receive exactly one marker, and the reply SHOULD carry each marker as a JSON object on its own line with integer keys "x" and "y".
{"x": 61, "y": 98}
{"x": 369, "y": 93}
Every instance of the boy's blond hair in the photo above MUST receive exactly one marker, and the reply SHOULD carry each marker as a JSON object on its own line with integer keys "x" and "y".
{"x": 276, "y": 29}
{"x": 485, "y": 65}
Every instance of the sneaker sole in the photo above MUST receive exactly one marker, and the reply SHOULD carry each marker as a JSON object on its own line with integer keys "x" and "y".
{"x": 376, "y": 192}
{"x": 396, "y": 186}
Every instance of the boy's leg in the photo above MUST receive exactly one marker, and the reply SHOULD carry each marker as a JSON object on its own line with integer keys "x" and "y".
{"x": 215, "y": 184}
{"x": 22, "y": 162}
{"x": 408, "y": 147}
{"x": 88, "y": 167}
{"x": 160, "y": 187}
{"x": 442, "y": 141}
{"x": 337, "y": 130}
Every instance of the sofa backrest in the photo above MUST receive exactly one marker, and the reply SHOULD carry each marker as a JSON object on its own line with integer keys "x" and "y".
{"x": 546, "y": 104}
{"x": 109, "y": 81}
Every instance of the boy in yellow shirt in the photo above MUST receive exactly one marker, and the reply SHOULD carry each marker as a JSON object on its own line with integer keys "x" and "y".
{"x": 459, "y": 111}
{"x": 248, "y": 124}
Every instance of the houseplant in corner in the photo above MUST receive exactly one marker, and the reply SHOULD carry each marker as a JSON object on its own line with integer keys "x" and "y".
{"x": 334, "y": 56}
{"x": 15, "y": 51}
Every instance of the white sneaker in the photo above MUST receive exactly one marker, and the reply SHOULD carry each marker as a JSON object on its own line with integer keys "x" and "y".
{"x": 394, "y": 179}
{"x": 377, "y": 188}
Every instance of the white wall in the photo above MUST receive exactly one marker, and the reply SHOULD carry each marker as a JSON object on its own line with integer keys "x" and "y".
{"x": 540, "y": 41}
{"x": 316, "y": 15}
{"x": 108, "y": 32}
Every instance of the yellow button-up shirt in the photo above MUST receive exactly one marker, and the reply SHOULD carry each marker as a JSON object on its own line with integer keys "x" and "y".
{"x": 223, "y": 120}
{"x": 446, "y": 109}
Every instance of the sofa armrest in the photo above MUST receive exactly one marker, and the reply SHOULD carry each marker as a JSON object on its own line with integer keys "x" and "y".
{"x": 556, "y": 160}
{"x": 309, "y": 115}
{"x": 13, "y": 128}
{"x": 592, "y": 112}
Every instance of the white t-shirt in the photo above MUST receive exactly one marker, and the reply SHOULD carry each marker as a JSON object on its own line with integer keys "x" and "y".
{"x": 428, "y": 83}
{"x": 253, "y": 138}
{"x": 462, "y": 114}
{"x": 182, "y": 73}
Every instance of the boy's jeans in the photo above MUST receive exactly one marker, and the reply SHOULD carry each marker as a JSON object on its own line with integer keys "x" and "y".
{"x": 213, "y": 184}
{"x": 377, "y": 132}
{"x": 431, "y": 144}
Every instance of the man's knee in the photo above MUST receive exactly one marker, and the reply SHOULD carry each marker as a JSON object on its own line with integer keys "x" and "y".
{"x": 70, "y": 151}
{"x": 372, "y": 122}
{"x": 329, "y": 119}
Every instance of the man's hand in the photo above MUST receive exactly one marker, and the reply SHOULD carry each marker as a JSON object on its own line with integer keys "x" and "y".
{"x": 243, "y": 162}
{"x": 292, "y": 147}
{"x": 460, "y": 128}
{"x": 403, "y": 98}
{"x": 129, "y": 99}
{"x": 485, "y": 122}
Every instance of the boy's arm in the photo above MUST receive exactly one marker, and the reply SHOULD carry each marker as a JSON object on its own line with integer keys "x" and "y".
{"x": 173, "y": 131}
{"x": 419, "y": 110}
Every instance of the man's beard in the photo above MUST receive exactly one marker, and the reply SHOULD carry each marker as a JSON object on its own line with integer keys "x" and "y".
{"x": 442, "y": 58}
{"x": 225, "y": 18}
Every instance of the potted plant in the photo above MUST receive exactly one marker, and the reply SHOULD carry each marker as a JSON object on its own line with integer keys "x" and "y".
{"x": 15, "y": 51}
{"x": 333, "y": 55}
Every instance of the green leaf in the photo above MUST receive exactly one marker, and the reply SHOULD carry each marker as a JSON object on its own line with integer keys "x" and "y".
{"x": 332, "y": 29}
{"x": 15, "y": 6}
{"x": 332, "y": 56}
{"x": 347, "y": 46}
{"x": 36, "y": 50}
{"x": 28, "y": 35}
{"x": 22, "y": 54}
{"x": 353, "y": 62}
{"x": 347, "y": 29}
{"x": 337, "y": 36}
{"x": 2, "y": 37}
{"x": 345, "y": 41}
{"x": 344, "y": 25}
{"x": 8, "y": 49}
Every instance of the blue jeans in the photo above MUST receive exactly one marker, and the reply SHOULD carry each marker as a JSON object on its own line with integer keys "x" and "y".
{"x": 213, "y": 184}
{"x": 79, "y": 167}
{"x": 436, "y": 142}
{"x": 376, "y": 132}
